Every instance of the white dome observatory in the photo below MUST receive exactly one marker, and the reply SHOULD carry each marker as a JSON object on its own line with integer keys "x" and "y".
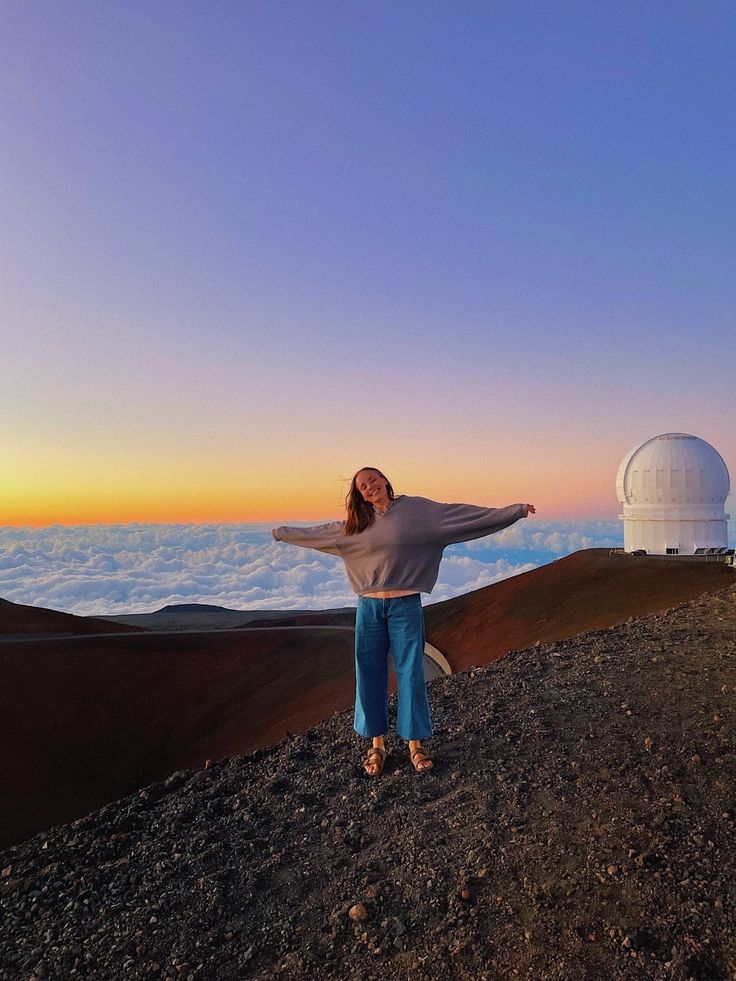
{"x": 673, "y": 489}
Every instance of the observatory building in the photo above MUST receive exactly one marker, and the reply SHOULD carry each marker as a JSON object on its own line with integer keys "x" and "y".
{"x": 673, "y": 489}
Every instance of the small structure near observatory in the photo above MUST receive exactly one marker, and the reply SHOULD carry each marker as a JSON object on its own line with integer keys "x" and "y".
{"x": 673, "y": 489}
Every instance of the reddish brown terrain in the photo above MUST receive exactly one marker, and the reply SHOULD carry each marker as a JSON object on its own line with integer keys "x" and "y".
{"x": 578, "y": 825}
{"x": 91, "y": 719}
{"x": 18, "y": 619}
{"x": 583, "y": 591}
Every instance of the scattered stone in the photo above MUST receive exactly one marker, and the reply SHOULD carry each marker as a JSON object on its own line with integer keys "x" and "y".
{"x": 543, "y": 819}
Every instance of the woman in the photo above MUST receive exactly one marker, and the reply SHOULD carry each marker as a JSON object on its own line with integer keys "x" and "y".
{"x": 392, "y": 548}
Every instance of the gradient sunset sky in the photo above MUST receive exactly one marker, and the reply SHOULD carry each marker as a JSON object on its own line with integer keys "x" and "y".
{"x": 250, "y": 247}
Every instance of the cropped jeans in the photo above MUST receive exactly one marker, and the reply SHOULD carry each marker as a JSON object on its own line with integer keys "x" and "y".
{"x": 396, "y": 624}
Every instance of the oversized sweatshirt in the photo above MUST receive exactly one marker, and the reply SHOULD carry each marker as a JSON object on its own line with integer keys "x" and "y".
{"x": 403, "y": 547}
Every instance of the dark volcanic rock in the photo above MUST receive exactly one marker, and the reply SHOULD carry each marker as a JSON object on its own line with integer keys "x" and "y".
{"x": 578, "y": 824}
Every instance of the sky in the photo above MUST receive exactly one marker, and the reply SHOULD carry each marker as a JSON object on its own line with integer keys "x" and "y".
{"x": 249, "y": 248}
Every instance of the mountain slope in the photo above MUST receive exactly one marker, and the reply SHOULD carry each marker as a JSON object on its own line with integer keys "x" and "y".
{"x": 15, "y": 618}
{"x": 583, "y": 591}
{"x": 578, "y": 825}
{"x": 92, "y": 718}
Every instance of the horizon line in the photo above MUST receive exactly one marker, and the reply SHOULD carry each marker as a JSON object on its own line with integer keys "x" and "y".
{"x": 269, "y": 522}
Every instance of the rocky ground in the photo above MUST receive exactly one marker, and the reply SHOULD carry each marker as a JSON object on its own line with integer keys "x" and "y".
{"x": 579, "y": 823}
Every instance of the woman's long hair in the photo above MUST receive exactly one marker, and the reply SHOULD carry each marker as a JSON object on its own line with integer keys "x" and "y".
{"x": 360, "y": 512}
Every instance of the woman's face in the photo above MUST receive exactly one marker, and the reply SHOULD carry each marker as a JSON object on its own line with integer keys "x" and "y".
{"x": 372, "y": 486}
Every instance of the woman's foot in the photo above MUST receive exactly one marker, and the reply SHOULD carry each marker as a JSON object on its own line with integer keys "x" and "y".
{"x": 373, "y": 763}
{"x": 420, "y": 760}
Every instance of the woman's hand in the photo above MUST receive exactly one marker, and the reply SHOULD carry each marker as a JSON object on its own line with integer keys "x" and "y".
{"x": 530, "y": 509}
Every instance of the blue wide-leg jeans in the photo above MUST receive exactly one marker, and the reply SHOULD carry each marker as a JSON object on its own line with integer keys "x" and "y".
{"x": 398, "y": 624}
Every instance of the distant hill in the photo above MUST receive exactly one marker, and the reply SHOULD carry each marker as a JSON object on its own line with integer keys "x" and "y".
{"x": 203, "y": 616}
{"x": 16, "y": 618}
{"x": 193, "y": 608}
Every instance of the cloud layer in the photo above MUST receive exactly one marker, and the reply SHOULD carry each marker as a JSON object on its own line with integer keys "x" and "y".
{"x": 138, "y": 568}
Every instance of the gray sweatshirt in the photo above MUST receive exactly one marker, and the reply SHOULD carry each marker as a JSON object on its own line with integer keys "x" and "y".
{"x": 403, "y": 547}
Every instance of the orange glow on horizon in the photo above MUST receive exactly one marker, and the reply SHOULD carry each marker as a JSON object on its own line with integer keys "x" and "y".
{"x": 246, "y": 510}
{"x": 48, "y": 490}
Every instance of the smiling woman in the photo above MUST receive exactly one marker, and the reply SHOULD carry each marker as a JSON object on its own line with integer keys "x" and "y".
{"x": 392, "y": 547}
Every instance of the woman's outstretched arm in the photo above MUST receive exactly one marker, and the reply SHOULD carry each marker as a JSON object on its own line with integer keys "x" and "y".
{"x": 464, "y": 522}
{"x": 324, "y": 538}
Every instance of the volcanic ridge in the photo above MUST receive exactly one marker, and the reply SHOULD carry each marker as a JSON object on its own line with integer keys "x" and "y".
{"x": 578, "y": 824}
{"x": 95, "y": 716}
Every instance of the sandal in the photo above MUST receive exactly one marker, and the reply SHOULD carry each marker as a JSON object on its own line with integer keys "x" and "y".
{"x": 370, "y": 761}
{"x": 416, "y": 763}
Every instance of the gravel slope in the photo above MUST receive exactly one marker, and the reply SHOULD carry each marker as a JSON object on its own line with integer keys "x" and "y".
{"x": 579, "y": 824}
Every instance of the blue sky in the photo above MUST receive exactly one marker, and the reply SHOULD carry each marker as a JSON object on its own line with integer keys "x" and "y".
{"x": 249, "y": 246}
{"x": 550, "y": 155}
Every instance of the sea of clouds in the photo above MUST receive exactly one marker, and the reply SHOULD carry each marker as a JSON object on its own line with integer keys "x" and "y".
{"x": 138, "y": 568}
